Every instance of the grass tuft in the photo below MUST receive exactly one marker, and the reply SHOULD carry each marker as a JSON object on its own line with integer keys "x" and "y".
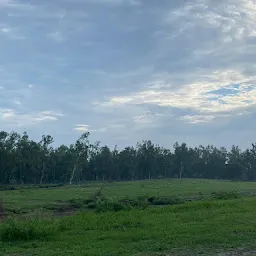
{"x": 14, "y": 230}
{"x": 165, "y": 200}
{"x": 225, "y": 195}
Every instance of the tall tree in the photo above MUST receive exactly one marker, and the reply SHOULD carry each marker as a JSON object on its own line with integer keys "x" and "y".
{"x": 80, "y": 154}
{"x": 46, "y": 151}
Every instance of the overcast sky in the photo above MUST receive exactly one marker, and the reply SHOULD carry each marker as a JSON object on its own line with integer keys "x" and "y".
{"x": 128, "y": 70}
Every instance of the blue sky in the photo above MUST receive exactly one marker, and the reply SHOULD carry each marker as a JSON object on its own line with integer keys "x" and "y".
{"x": 128, "y": 70}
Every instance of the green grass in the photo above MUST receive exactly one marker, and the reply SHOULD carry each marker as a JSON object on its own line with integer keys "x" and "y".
{"x": 23, "y": 200}
{"x": 195, "y": 226}
{"x": 160, "y": 217}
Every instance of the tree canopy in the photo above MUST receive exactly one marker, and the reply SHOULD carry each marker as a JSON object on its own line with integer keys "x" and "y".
{"x": 24, "y": 161}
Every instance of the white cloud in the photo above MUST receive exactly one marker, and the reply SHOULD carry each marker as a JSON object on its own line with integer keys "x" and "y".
{"x": 11, "y": 33}
{"x": 15, "y": 5}
{"x": 145, "y": 120}
{"x": 82, "y": 128}
{"x": 235, "y": 19}
{"x": 196, "y": 119}
{"x": 44, "y": 118}
{"x": 197, "y": 95}
{"x": 51, "y": 113}
{"x": 7, "y": 113}
{"x": 14, "y": 118}
{"x": 5, "y": 30}
{"x": 111, "y": 2}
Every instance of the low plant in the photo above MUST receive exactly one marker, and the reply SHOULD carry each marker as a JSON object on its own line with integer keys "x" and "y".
{"x": 165, "y": 200}
{"x": 225, "y": 195}
{"x": 14, "y": 230}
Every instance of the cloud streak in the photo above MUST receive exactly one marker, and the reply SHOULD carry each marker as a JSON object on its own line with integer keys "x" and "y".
{"x": 17, "y": 119}
{"x": 197, "y": 95}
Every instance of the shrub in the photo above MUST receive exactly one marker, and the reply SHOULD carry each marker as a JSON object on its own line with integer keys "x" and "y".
{"x": 98, "y": 195}
{"x": 13, "y": 230}
{"x": 165, "y": 200}
{"x": 225, "y": 195}
{"x": 110, "y": 206}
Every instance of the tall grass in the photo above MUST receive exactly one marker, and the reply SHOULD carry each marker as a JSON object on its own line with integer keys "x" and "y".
{"x": 20, "y": 230}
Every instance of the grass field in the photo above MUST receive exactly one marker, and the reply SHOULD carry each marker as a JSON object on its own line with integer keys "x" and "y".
{"x": 221, "y": 221}
{"x": 36, "y": 198}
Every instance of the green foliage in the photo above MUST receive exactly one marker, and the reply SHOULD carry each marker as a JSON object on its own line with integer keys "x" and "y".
{"x": 106, "y": 206}
{"x": 125, "y": 218}
{"x": 31, "y": 200}
{"x": 165, "y": 200}
{"x": 121, "y": 205}
{"x": 208, "y": 227}
{"x": 14, "y": 230}
{"x": 225, "y": 195}
{"x": 24, "y": 161}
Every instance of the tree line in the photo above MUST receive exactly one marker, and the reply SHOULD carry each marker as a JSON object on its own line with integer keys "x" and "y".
{"x": 25, "y": 161}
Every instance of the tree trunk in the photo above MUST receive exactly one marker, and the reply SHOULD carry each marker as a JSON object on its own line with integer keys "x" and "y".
{"x": 74, "y": 169}
{"x": 42, "y": 174}
{"x": 181, "y": 169}
{"x": 73, "y": 174}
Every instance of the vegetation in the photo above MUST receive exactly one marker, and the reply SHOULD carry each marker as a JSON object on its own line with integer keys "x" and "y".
{"x": 202, "y": 227}
{"x": 24, "y": 161}
{"x": 143, "y": 200}
{"x": 153, "y": 217}
{"x": 34, "y": 199}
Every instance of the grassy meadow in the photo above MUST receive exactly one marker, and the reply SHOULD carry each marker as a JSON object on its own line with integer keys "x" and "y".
{"x": 158, "y": 217}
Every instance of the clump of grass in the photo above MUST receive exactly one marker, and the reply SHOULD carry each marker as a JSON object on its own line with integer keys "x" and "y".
{"x": 165, "y": 200}
{"x": 109, "y": 205}
{"x": 121, "y": 205}
{"x": 225, "y": 195}
{"x": 51, "y": 185}
{"x": 1, "y": 209}
{"x": 79, "y": 203}
{"x": 14, "y": 230}
{"x": 6, "y": 188}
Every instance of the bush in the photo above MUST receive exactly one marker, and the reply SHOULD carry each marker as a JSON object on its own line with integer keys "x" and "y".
{"x": 98, "y": 195}
{"x": 111, "y": 206}
{"x": 165, "y": 200}
{"x": 225, "y": 195}
{"x": 51, "y": 185}
{"x": 13, "y": 230}
{"x": 140, "y": 203}
{"x": 6, "y": 188}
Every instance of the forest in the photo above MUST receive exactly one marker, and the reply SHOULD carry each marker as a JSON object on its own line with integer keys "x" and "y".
{"x": 25, "y": 161}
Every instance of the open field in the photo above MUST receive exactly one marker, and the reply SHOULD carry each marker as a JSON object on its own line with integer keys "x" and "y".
{"x": 35, "y": 198}
{"x": 222, "y": 224}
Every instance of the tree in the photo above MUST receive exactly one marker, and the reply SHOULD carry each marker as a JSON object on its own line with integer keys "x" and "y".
{"x": 45, "y": 153}
{"x": 25, "y": 161}
{"x": 80, "y": 154}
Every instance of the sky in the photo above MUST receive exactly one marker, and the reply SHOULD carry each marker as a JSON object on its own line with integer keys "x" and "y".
{"x": 130, "y": 70}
